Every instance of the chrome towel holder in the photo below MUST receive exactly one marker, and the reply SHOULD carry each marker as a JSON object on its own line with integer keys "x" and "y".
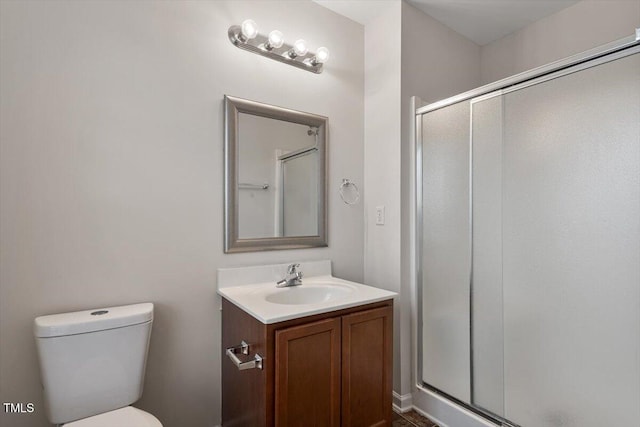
{"x": 349, "y": 192}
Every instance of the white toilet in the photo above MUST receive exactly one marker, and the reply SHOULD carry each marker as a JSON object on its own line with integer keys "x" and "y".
{"x": 92, "y": 365}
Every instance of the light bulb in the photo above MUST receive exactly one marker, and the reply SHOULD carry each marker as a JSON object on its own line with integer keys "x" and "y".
{"x": 249, "y": 28}
{"x": 276, "y": 40}
{"x": 300, "y": 47}
{"x": 322, "y": 55}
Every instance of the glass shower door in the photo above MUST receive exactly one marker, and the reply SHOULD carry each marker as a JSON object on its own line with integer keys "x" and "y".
{"x": 571, "y": 249}
{"x": 486, "y": 285}
{"x": 445, "y": 256}
{"x": 530, "y": 248}
{"x": 556, "y": 249}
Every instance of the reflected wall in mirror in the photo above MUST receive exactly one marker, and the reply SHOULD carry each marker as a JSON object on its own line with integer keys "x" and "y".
{"x": 275, "y": 195}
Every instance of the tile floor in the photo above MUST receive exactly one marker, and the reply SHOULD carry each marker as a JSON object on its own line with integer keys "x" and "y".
{"x": 411, "y": 419}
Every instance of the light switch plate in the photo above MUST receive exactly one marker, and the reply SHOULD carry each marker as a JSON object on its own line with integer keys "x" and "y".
{"x": 379, "y": 215}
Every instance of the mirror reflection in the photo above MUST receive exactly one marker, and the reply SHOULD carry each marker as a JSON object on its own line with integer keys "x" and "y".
{"x": 277, "y": 178}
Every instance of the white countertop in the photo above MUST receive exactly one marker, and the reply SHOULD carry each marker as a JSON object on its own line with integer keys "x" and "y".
{"x": 257, "y": 298}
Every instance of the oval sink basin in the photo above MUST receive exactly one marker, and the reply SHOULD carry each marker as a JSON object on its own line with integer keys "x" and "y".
{"x": 308, "y": 294}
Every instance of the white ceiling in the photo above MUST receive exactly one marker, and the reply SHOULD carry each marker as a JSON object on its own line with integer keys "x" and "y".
{"x": 482, "y": 21}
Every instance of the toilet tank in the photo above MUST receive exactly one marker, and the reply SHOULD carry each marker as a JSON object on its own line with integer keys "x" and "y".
{"x": 92, "y": 361}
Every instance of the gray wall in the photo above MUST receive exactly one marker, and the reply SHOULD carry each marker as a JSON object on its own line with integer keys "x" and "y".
{"x": 111, "y": 173}
{"x": 583, "y": 26}
{"x": 406, "y": 53}
{"x": 382, "y": 159}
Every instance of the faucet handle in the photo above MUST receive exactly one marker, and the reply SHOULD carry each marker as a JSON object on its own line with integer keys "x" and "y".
{"x": 292, "y": 268}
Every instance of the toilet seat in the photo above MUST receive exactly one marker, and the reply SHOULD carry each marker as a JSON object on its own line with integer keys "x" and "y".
{"x": 123, "y": 417}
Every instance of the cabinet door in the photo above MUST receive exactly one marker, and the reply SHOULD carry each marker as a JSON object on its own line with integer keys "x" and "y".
{"x": 366, "y": 368}
{"x": 307, "y": 375}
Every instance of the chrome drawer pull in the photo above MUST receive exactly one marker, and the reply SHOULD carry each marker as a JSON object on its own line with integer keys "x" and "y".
{"x": 243, "y": 348}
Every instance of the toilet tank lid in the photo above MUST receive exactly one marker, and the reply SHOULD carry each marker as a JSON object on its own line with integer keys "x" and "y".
{"x": 99, "y": 319}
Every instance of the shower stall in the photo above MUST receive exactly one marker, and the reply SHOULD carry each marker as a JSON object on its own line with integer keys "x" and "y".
{"x": 528, "y": 247}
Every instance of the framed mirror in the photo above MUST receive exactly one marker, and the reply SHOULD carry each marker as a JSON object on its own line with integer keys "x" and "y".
{"x": 274, "y": 176}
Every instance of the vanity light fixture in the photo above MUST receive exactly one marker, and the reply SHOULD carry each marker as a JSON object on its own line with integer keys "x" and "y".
{"x": 322, "y": 55}
{"x": 246, "y": 36}
{"x": 299, "y": 49}
{"x": 248, "y": 30}
{"x": 275, "y": 40}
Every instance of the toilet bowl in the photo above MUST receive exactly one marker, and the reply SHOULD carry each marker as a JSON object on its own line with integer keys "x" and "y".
{"x": 123, "y": 417}
{"x": 92, "y": 365}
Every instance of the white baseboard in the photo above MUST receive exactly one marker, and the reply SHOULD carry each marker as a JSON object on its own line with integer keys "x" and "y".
{"x": 402, "y": 402}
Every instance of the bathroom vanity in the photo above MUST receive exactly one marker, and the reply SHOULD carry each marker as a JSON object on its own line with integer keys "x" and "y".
{"x": 315, "y": 354}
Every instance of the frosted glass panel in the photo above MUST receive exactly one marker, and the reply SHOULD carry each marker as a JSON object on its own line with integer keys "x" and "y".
{"x": 571, "y": 249}
{"x": 446, "y": 250}
{"x": 300, "y": 206}
{"x": 487, "y": 338}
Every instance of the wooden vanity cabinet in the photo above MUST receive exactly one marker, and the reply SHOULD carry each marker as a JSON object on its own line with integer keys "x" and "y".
{"x": 331, "y": 369}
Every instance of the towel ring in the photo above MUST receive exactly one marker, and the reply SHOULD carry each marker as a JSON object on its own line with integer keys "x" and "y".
{"x": 353, "y": 195}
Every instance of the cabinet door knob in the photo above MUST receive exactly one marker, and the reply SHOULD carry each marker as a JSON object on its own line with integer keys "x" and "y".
{"x": 243, "y": 348}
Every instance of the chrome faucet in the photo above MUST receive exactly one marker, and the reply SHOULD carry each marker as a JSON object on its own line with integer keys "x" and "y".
{"x": 293, "y": 277}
